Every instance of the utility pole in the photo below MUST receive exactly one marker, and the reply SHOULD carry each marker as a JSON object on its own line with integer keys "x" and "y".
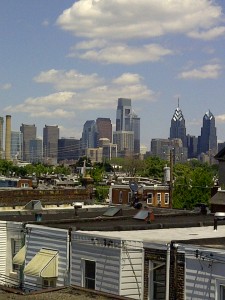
{"x": 171, "y": 178}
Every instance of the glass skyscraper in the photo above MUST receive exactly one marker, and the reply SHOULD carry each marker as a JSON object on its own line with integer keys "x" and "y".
{"x": 208, "y": 138}
{"x": 177, "y": 128}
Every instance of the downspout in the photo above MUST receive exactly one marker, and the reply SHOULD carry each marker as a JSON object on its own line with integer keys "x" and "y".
{"x": 168, "y": 272}
{"x": 69, "y": 256}
{"x": 21, "y": 269}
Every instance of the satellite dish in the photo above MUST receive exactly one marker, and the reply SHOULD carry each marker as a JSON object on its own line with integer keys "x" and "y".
{"x": 133, "y": 186}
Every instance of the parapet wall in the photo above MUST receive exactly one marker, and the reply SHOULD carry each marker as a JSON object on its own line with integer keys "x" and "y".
{"x": 20, "y": 197}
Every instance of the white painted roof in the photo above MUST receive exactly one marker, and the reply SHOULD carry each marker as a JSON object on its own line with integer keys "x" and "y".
{"x": 164, "y": 236}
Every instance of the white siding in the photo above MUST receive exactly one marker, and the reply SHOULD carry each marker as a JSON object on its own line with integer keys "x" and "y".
{"x": 119, "y": 264}
{"x": 38, "y": 237}
{"x": 203, "y": 272}
{"x": 9, "y": 231}
{"x": 132, "y": 269}
{"x": 3, "y": 241}
{"x": 107, "y": 258}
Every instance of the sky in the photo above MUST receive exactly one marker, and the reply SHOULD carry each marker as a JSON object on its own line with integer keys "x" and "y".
{"x": 65, "y": 62}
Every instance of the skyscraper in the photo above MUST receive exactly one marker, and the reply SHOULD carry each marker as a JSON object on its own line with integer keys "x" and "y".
{"x": 177, "y": 128}
{"x": 127, "y": 134}
{"x": 208, "y": 138}
{"x": 104, "y": 129}
{"x": 50, "y": 143}
{"x": 68, "y": 149}
{"x": 123, "y": 114}
{"x": 135, "y": 127}
{"x": 89, "y": 135}
{"x": 16, "y": 145}
{"x": 1, "y": 137}
{"x": 36, "y": 154}
{"x": 29, "y": 133}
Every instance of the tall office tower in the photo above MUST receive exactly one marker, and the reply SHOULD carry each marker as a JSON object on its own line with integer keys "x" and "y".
{"x": 104, "y": 129}
{"x": 68, "y": 149}
{"x": 123, "y": 114}
{"x": 192, "y": 145}
{"x": 208, "y": 138}
{"x": 177, "y": 128}
{"x": 50, "y": 143}
{"x": 8, "y": 138}
{"x": 127, "y": 121}
{"x": 16, "y": 145}
{"x": 29, "y": 133}
{"x": 135, "y": 127}
{"x": 36, "y": 151}
{"x": 1, "y": 137}
{"x": 89, "y": 135}
{"x": 124, "y": 141}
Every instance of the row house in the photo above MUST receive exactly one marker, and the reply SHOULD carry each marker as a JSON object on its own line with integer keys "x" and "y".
{"x": 176, "y": 263}
{"x": 153, "y": 195}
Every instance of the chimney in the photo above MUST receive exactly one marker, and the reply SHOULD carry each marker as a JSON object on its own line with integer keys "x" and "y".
{"x": 8, "y": 138}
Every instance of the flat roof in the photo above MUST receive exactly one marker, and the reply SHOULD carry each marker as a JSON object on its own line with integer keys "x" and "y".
{"x": 165, "y": 236}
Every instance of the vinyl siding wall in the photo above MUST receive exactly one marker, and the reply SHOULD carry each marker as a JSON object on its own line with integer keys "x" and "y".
{"x": 38, "y": 237}
{"x": 118, "y": 263}
{"x": 204, "y": 273}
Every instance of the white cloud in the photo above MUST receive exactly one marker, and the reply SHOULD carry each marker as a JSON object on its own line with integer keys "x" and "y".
{"x": 45, "y": 23}
{"x": 220, "y": 118}
{"x": 209, "y": 34}
{"x": 129, "y": 19}
{"x": 5, "y": 86}
{"x": 210, "y": 71}
{"x": 124, "y": 54}
{"x": 98, "y": 97}
{"x": 70, "y": 80}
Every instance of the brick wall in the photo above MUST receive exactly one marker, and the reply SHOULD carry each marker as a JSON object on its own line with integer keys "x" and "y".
{"x": 177, "y": 271}
{"x": 20, "y": 197}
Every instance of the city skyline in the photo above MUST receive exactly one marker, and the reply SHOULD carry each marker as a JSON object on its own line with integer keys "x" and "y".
{"x": 66, "y": 63}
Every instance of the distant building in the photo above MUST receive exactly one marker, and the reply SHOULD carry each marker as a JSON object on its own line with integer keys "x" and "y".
{"x": 124, "y": 141}
{"x": 177, "y": 128}
{"x": 109, "y": 150}
{"x": 94, "y": 154}
{"x": 50, "y": 143}
{"x": 1, "y": 137}
{"x": 164, "y": 148}
{"x": 127, "y": 134}
{"x": 192, "y": 145}
{"x": 36, "y": 154}
{"x": 16, "y": 145}
{"x": 29, "y": 133}
{"x": 104, "y": 129}
{"x": 208, "y": 137}
{"x": 68, "y": 149}
{"x": 89, "y": 135}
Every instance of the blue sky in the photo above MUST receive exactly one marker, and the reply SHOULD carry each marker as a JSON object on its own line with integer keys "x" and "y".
{"x": 65, "y": 62}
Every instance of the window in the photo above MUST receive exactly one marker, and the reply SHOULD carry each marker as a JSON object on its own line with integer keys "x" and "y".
{"x": 89, "y": 274}
{"x": 120, "y": 196}
{"x": 15, "y": 247}
{"x": 129, "y": 197}
{"x": 157, "y": 281}
{"x": 220, "y": 289}
{"x": 48, "y": 283}
{"x": 24, "y": 185}
{"x": 222, "y": 292}
{"x": 167, "y": 198}
{"x": 158, "y": 198}
{"x": 149, "y": 198}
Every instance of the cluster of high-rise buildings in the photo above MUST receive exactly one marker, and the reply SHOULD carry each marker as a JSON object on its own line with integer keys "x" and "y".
{"x": 99, "y": 142}
{"x": 185, "y": 146}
